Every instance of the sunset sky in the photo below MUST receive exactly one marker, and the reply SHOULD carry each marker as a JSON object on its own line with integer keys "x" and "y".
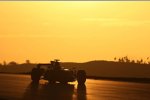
{"x": 74, "y": 31}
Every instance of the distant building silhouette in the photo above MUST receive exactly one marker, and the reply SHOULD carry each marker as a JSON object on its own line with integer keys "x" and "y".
{"x": 4, "y": 63}
{"x": 27, "y": 61}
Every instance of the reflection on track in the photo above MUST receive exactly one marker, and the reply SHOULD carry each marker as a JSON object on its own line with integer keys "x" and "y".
{"x": 81, "y": 92}
{"x": 20, "y": 87}
{"x": 56, "y": 91}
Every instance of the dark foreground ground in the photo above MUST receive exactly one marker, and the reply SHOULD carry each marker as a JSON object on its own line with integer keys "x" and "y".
{"x": 20, "y": 87}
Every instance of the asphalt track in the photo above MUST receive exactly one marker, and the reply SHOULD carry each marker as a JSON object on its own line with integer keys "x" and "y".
{"x": 20, "y": 87}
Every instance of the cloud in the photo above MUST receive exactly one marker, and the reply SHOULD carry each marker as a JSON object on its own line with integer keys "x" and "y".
{"x": 23, "y": 36}
{"x": 117, "y": 21}
{"x": 100, "y": 19}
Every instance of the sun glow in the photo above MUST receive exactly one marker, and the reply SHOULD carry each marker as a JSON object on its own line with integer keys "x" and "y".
{"x": 73, "y": 30}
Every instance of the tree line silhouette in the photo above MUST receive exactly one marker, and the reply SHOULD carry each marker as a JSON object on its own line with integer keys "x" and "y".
{"x": 126, "y": 59}
{"x": 14, "y": 63}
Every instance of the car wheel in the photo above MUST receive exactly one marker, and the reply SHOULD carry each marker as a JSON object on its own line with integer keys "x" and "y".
{"x": 81, "y": 76}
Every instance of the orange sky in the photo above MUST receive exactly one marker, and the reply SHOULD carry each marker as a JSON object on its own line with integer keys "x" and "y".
{"x": 74, "y": 31}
